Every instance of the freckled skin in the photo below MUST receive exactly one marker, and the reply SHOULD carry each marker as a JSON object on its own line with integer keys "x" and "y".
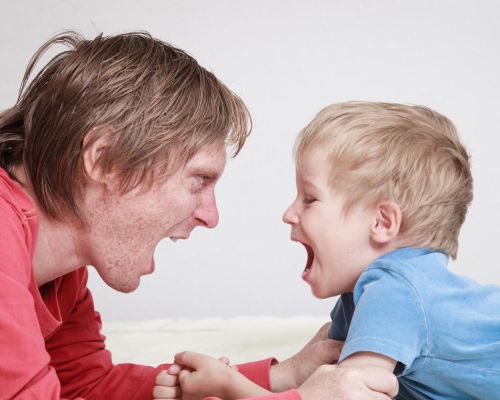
{"x": 125, "y": 228}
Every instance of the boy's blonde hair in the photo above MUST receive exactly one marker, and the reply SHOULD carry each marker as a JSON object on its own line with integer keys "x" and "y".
{"x": 408, "y": 154}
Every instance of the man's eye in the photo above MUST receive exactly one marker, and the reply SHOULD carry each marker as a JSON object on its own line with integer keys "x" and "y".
{"x": 201, "y": 181}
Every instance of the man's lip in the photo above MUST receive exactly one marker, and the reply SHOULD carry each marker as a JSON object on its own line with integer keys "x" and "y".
{"x": 151, "y": 268}
{"x": 176, "y": 238}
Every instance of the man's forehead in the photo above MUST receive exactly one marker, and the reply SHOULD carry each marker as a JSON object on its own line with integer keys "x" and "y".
{"x": 209, "y": 160}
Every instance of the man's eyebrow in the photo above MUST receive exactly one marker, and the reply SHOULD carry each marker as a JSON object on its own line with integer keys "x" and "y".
{"x": 210, "y": 173}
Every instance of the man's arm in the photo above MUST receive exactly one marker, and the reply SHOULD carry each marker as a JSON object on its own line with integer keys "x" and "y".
{"x": 25, "y": 372}
{"x": 78, "y": 353}
{"x": 294, "y": 371}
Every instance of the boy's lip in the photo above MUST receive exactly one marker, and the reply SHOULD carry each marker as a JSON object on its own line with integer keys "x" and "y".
{"x": 310, "y": 257}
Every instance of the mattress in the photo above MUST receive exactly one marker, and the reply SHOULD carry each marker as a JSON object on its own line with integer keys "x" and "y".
{"x": 242, "y": 339}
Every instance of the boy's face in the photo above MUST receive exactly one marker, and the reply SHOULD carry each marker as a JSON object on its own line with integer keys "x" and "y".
{"x": 338, "y": 245}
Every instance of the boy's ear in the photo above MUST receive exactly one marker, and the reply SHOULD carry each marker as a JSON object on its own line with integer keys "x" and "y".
{"x": 386, "y": 222}
{"x": 95, "y": 143}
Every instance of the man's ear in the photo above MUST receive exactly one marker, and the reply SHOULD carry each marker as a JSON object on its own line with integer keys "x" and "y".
{"x": 95, "y": 143}
{"x": 386, "y": 222}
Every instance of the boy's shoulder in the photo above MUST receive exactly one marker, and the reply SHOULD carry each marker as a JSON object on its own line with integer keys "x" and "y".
{"x": 423, "y": 274}
{"x": 413, "y": 266}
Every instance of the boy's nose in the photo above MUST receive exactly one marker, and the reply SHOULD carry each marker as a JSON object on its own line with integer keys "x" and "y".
{"x": 290, "y": 216}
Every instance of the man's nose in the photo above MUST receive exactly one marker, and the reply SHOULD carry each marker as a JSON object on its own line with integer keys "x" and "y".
{"x": 206, "y": 214}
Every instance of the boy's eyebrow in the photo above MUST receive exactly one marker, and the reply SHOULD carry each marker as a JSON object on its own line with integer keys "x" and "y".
{"x": 308, "y": 183}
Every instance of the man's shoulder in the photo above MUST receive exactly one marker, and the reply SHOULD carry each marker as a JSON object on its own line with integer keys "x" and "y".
{"x": 12, "y": 197}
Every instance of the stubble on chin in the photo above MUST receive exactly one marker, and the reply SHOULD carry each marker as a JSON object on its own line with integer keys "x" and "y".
{"x": 119, "y": 278}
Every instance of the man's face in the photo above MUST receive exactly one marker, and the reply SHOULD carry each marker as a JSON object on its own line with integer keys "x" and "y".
{"x": 125, "y": 228}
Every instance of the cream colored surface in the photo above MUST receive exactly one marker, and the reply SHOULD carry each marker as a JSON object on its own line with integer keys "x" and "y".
{"x": 242, "y": 339}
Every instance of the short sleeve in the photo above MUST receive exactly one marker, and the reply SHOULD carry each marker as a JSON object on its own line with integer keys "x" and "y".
{"x": 389, "y": 318}
{"x": 341, "y": 316}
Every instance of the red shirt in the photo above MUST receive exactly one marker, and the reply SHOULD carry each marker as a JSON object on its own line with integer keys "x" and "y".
{"x": 50, "y": 341}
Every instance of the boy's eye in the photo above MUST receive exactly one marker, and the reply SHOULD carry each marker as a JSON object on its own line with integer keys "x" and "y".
{"x": 308, "y": 200}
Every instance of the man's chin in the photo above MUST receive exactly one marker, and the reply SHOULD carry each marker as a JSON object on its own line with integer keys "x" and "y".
{"x": 125, "y": 287}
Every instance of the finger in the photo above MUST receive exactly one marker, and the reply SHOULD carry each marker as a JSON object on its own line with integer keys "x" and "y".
{"x": 166, "y": 379}
{"x": 183, "y": 375}
{"x": 225, "y": 360}
{"x": 174, "y": 369}
{"x": 379, "y": 380}
{"x": 190, "y": 359}
{"x": 164, "y": 392}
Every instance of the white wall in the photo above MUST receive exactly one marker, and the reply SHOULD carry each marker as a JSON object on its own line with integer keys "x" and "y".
{"x": 287, "y": 59}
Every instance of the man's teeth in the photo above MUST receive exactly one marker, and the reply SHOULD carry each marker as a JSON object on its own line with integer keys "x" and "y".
{"x": 173, "y": 239}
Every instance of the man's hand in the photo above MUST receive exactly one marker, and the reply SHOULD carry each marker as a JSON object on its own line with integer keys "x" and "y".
{"x": 202, "y": 376}
{"x": 292, "y": 372}
{"x": 347, "y": 383}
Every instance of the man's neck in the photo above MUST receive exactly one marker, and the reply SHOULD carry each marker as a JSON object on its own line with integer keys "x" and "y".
{"x": 59, "y": 247}
{"x": 56, "y": 252}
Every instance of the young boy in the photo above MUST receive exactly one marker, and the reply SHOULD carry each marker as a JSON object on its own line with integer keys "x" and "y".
{"x": 382, "y": 191}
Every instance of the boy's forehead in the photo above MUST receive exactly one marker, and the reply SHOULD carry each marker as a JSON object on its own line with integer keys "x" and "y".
{"x": 311, "y": 161}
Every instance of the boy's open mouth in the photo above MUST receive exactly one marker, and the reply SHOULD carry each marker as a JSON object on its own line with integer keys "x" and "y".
{"x": 310, "y": 259}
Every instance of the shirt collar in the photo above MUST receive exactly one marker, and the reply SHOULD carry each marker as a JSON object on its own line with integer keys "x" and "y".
{"x": 405, "y": 253}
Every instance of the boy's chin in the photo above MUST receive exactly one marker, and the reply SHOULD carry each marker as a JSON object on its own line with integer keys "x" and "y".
{"x": 318, "y": 293}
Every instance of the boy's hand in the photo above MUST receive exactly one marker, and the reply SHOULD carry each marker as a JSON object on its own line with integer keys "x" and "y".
{"x": 202, "y": 376}
{"x": 292, "y": 372}
{"x": 348, "y": 383}
{"x": 166, "y": 386}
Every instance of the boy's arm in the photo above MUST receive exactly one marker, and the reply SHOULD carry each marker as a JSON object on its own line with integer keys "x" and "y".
{"x": 366, "y": 359}
{"x": 331, "y": 382}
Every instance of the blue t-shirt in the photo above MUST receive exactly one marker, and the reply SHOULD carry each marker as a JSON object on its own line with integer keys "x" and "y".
{"x": 442, "y": 329}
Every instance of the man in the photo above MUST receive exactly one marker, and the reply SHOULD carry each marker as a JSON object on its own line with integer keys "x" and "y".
{"x": 116, "y": 144}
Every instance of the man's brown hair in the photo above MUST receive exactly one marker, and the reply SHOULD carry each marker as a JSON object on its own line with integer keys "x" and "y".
{"x": 156, "y": 103}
